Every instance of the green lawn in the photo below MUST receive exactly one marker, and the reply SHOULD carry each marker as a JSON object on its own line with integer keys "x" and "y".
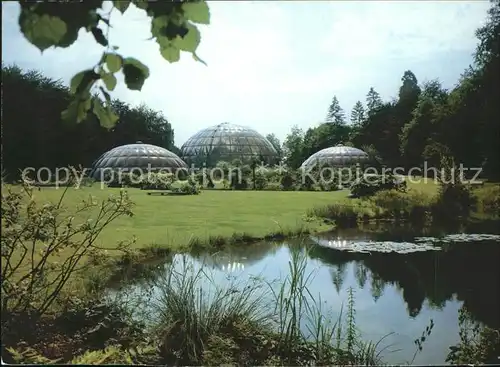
{"x": 173, "y": 220}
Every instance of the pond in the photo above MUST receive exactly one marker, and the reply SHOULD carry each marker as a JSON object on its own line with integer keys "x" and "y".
{"x": 396, "y": 293}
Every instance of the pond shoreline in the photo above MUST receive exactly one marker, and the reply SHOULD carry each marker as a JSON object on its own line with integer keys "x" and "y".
{"x": 133, "y": 263}
{"x": 152, "y": 253}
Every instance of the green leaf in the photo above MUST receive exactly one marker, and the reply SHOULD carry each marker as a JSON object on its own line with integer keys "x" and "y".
{"x": 170, "y": 53}
{"x": 83, "y": 81}
{"x": 135, "y": 73}
{"x": 84, "y": 106}
{"x": 99, "y": 36}
{"x": 113, "y": 62}
{"x": 157, "y": 24}
{"x": 121, "y": 5}
{"x": 77, "y": 110}
{"x": 69, "y": 38}
{"x": 106, "y": 116}
{"x": 70, "y": 114}
{"x": 43, "y": 31}
{"x": 109, "y": 80}
{"x": 190, "y": 41}
{"x": 197, "y": 12}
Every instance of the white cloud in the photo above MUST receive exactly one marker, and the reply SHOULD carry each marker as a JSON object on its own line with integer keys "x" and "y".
{"x": 417, "y": 29}
{"x": 275, "y": 64}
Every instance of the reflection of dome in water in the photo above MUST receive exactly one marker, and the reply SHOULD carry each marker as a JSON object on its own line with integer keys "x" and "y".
{"x": 339, "y": 156}
{"x": 223, "y": 263}
{"x": 137, "y": 156}
{"x": 338, "y": 240}
{"x": 232, "y": 267}
{"x": 226, "y": 142}
{"x": 238, "y": 258}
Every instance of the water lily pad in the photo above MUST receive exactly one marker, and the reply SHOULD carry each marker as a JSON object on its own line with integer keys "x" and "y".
{"x": 369, "y": 247}
{"x": 459, "y": 237}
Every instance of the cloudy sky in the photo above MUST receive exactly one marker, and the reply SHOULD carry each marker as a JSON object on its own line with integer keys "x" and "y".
{"x": 275, "y": 64}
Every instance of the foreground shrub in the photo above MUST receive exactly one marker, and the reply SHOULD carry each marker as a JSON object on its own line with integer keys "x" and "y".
{"x": 42, "y": 246}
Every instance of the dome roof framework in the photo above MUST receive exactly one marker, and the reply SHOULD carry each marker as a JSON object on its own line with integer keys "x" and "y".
{"x": 338, "y": 156}
{"x": 137, "y": 156}
{"x": 226, "y": 142}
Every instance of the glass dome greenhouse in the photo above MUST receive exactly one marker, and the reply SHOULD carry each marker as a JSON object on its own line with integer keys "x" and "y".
{"x": 226, "y": 142}
{"x": 137, "y": 156}
{"x": 338, "y": 156}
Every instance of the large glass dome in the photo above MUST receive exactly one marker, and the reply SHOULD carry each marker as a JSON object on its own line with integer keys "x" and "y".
{"x": 137, "y": 156}
{"x": 226, "y": 142}
{"x": 339, "y": 155}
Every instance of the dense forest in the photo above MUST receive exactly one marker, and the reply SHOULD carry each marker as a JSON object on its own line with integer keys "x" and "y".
{"x": 34, "y": 135}
{"x": 421, "y": 124}
{"x": 424, "y": 121}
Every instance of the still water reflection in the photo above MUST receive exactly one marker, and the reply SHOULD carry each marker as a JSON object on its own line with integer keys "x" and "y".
{"x": 394, "y": 292}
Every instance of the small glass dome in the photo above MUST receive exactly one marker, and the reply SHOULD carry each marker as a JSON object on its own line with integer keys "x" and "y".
{"x": 137, "y": 156}
{"x": 339, "y": 155}
{"x": 226, "y": 142}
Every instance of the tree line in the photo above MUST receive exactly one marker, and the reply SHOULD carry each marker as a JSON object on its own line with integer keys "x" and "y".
{"x": 421, "y": 124}
{"x": 35, "y": 135}
{"x": 425, "y": 121}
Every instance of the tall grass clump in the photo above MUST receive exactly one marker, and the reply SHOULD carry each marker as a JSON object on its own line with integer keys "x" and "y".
{"x": 306, "y": 333}
{"x": 292, "y": 300}
{"x": 196, "y": 324}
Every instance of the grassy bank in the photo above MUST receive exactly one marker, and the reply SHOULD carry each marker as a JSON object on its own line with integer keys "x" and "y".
{"x": 174, "y": 221}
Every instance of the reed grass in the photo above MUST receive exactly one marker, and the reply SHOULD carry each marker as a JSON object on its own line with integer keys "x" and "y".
{"x": 201, "y": 321}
